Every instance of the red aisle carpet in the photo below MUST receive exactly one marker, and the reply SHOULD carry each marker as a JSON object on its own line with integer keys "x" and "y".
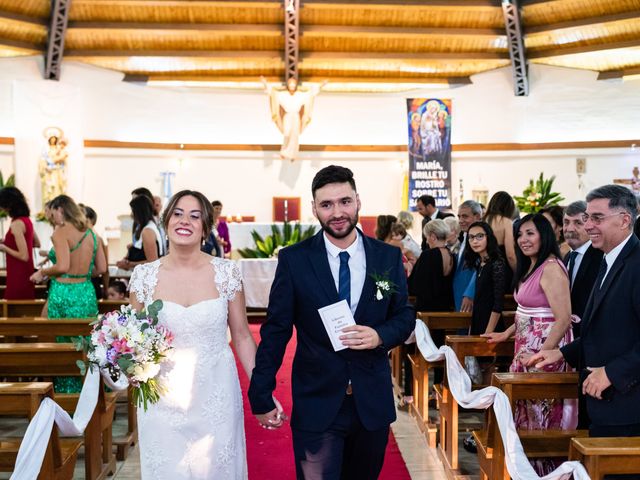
{"x": 270, "y": 453}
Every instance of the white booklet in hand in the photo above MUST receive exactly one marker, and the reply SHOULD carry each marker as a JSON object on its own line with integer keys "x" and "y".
{"x": 335, "y": 317}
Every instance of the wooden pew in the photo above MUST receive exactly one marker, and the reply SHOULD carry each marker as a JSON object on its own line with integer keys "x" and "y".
{"x": 536, "y": 443}
{"x": 607, "y": 456}
{"x": 41, "y": 291}
{"x": 463, "y": 346}
{"x": 59, "y": 359}
{"x": 449, "y": 322}
{"x": 23, "y": 399}
{"x": 42, "y": 330}
{"x": 396, "y": 359}
{"x": 33, "y": 308}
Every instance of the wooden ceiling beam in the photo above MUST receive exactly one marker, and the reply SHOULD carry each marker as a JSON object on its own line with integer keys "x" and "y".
{"x": 17, "y": 17}
{"x": 615, "y": 74}
{"x": 20, "y": 45}
{"x": 404, "y": 56}
{"x": 394, "y": 4}
{"x": 188, "y": 77}
{"x": 559, "y": 52}
{"x": 584, "y": 22}
{"x": 357, "y": 31}
{"x": 223, "y": 28}
{"x": 213, "y": 54}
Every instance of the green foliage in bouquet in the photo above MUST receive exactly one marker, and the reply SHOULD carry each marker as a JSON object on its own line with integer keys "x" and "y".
{"x": 11, "y": 182}
{"x": 538, "y": 195}
{"x": 270, "y": 245}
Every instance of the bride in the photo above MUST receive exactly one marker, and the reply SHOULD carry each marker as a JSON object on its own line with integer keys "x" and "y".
{"x": 196, "y": 430}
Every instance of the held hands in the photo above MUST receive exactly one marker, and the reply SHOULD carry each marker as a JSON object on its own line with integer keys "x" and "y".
{"x": 596, "y": 383}
{"x": 124, "y": 264}
{"x": 360, "y": 337}
{"x": 273, "y": 419}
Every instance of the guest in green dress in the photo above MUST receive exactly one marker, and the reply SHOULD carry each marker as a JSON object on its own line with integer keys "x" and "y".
{"x": 75, "y": 257}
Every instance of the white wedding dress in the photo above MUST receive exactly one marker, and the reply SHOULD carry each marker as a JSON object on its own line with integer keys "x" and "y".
{"x": 196, "y": 430}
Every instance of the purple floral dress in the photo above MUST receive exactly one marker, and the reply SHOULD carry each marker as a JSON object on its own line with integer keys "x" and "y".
{"x": 534, "y": 321}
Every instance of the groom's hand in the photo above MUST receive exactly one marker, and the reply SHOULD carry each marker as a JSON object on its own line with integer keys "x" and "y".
{"x": 360, "y": 337}
{"x": 271, "y": 420}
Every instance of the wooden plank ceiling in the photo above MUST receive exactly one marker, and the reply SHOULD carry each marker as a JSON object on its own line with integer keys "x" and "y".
{"x": 366, "y": 41}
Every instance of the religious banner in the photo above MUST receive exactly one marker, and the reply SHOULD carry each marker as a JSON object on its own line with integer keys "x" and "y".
{"x": 429, "y": 122}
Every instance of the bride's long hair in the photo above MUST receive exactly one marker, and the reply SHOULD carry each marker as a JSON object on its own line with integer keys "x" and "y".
{"x": 205, "y": 206}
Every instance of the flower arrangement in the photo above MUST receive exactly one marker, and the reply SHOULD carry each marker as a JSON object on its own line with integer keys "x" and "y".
{"x": 538, "y": 195}
{"x": 269, "y": 246}
{"x": 384, "y": 286}
{"x": 131, "y": 343}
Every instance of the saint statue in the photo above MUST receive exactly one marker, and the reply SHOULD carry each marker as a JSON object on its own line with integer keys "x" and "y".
{"x": 53, "y": 163}
{"x": 291, "y": 111}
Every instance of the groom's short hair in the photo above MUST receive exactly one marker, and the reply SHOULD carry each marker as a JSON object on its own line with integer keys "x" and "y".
{"x": 332, "y": 174}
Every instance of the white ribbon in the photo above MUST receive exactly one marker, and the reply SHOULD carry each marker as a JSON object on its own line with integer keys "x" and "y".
{"x": 36, "y": 438}
{"x": 516, "y": 461}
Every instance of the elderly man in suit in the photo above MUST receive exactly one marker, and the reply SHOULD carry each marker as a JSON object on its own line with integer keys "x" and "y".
{"x": 342, "y": 400}
{"x": 608, "y": 350}
{"x": 583, "y": 261}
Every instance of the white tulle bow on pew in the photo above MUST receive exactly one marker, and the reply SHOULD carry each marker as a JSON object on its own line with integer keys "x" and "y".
{"x": 517, "y": 463}
{"x": 36, "y": 438}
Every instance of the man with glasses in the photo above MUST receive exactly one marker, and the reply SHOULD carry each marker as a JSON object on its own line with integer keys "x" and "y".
{"x": 608, "y": 351}
{"x": 583, "y": 262}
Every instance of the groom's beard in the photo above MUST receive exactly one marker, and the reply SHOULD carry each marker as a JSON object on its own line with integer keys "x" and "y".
{"x": 353, "y": 221}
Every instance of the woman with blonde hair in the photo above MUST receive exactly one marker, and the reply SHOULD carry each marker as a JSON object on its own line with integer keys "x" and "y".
{"x": 406, "y": 220}
{"x": 75, "y": 256}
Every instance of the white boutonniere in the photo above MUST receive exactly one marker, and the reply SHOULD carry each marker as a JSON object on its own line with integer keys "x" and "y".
{"x": 384, "y": 286}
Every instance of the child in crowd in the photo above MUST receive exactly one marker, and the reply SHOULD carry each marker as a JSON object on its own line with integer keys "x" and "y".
{"x": 117, "y": 290}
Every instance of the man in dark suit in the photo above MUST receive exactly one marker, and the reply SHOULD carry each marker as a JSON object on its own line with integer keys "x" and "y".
{"x": 608, "y": 350}
{"x": 342, "y": 401}
{"x": 426, "y": 206}
{"x": 583, "y": 262}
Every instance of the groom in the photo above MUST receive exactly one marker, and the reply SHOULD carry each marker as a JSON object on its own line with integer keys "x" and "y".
{"x": 342, "y": 401}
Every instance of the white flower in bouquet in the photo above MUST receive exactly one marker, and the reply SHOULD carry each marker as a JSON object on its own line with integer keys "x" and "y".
{"x": 145, "y": 371}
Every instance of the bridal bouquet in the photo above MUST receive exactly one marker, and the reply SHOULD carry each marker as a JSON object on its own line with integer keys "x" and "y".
{"x": 131, "y": 343}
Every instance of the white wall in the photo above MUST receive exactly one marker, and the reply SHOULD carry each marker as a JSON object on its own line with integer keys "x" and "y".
{"x": 91, "y": 103}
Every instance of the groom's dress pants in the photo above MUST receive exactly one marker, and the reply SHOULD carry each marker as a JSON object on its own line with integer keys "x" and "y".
{"x": 345, "y": 451}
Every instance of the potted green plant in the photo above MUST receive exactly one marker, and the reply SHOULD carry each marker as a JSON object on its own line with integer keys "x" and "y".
{"x": 269, "y": 246}
{"x": 538, "y": 195}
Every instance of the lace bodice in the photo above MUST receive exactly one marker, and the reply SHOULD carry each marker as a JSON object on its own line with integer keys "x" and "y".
{"x": 145, "y": 278}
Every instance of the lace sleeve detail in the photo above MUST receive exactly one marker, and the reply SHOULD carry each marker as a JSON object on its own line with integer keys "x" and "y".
{"x": 228, "y": 277}
{"x": 499, "y": 283}
{"x": 143, "y": 281}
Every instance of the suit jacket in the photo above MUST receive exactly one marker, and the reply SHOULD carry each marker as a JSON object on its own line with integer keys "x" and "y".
{"x": 303, "y": 283}
{"x": 610, "y": 338}
{"x": 440, "y": 215}
{"x": 583, "y": 284}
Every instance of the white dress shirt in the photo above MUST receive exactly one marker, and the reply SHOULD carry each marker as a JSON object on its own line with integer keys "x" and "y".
{"x": 581, "y": 250}
{"x": 435, "y": 214}
{"x": 612, "y": 255}
{"x": 357, "y": 266}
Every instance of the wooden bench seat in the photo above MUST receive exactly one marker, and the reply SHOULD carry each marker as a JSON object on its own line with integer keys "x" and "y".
{"x": 607, "y": 456}
{"x": 463, "y": 346}
{"x": 59, "y": 359}
{"x": 548, "y": 443}
{"x": 45, "y": 330}
{"x": 23, "y": 399}
{"x": 34, "y": 308}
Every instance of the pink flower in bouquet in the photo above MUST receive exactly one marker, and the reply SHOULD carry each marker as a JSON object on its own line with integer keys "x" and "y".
{"x": 121, "y": 346}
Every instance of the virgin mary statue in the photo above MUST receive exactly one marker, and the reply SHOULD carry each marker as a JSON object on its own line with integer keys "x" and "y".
{"x": 52, "y": 165}
{"x": 291, "y": 111}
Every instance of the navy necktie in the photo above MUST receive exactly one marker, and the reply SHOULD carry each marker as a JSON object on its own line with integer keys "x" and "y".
{"x": 601, "y": 273}
{"x": 572, "y": 264}
{"x": 344, "y": 278}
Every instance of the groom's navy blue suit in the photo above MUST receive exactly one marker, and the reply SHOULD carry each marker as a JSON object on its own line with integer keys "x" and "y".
{"x": 320, "y": 376}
